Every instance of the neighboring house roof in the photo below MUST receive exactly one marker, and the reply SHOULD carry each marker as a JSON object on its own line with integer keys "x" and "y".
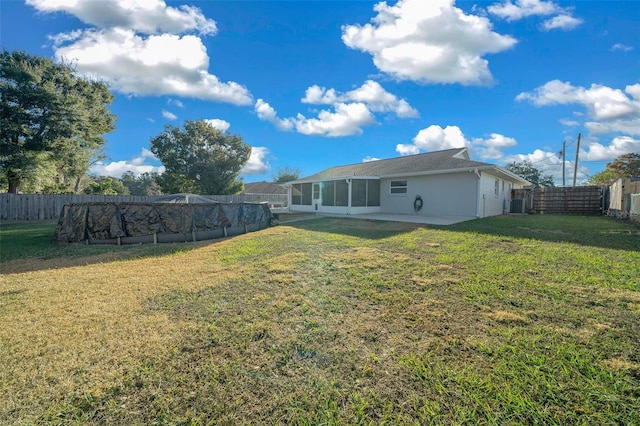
{"x": 446, "y": 161}
{"x": 264, "y": 188}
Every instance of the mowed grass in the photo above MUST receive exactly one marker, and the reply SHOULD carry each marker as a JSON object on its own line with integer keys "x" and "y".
{"x": 508, "y": 320}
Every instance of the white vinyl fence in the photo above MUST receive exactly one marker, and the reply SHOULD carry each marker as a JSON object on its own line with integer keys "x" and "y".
{"x": 634, "y": 211}
{"x": 49, "y": 206}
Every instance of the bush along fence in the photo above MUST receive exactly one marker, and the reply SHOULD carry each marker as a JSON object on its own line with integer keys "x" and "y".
{"x": 49, "y": 206}
{"x": 582, "y": 200}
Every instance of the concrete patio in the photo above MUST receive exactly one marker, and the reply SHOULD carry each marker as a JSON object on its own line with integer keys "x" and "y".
{"x": 427, "y": 220}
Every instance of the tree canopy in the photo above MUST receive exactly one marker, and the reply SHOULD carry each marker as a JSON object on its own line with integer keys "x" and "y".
{"x": 528, "y": 171}
{"x": 106, "y": 185}
{"x": 200, "y": 159}
{"x": 286, "y": 175}
{"x": 52, "y": 122}
{"x": 145, "y": 184}
{"x": 626, "y": 165}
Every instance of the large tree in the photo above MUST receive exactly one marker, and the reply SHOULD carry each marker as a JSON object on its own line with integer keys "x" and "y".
{"x": 106, "y": 185}
{"x": 626, "y": 165}
{"x": 200, "y": 159}
{"x": 145, "y": 184}
{"x": 528, "y": 171}
{"x": 50, "y": 119}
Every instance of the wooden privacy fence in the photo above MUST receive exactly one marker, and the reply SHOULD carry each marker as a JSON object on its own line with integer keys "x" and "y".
{"x": 584, "y": 200}
{"x": 49, "y": 206}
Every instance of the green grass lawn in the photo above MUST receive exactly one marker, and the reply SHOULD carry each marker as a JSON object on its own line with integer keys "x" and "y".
{"x": 506, "y": 320}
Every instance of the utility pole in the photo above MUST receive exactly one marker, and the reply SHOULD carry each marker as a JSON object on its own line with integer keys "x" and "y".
{"x": 575, "y": 166}
{"x": 564, "y": 154}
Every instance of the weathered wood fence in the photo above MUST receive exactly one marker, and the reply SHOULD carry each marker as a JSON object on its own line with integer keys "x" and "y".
{"x": 584, "y": 200}
{"x": 49, "y": 206}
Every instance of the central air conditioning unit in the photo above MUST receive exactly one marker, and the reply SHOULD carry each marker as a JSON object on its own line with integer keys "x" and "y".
{"x": 517, "y": 206}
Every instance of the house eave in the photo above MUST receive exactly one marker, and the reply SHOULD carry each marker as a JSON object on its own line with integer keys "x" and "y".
{"x": 497, "y": 170}
{"x": 333, "y": 178}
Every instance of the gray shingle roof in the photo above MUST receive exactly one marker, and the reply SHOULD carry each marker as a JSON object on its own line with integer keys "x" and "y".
{"x": 264, "y": 188}
{"x": 430, "y": 162}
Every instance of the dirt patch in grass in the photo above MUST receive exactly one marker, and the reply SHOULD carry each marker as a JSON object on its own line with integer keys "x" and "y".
{"x": 548, "y": 231}
{"x": 506, "y": 317}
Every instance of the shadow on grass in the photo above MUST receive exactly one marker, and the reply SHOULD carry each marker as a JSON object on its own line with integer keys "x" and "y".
{"x": 592, "y": 231}
{"x": 30, "y": 246}
{"x": 355, "y": 227}
{"x": 26, "y": 247}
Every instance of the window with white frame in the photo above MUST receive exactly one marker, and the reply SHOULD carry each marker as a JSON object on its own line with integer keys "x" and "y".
{"x": 496, "y": 189}
{"x": 398, "y": 187}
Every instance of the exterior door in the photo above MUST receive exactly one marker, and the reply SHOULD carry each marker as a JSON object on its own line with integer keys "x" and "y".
{"x": 316, "y": 195}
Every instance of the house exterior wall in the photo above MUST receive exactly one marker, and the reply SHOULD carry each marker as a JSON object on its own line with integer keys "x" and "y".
{"x": 494, "y": 200}
{"x": 462, "y": 194}
{"x": 452, "y": 194}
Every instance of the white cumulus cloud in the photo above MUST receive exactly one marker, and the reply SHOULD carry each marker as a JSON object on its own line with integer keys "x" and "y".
{"x": 521, "y": 9}
{"x": 169, "y": 115}
{"x": 369, "y": 158}
{"x": 618, "y": 146}
{"x": 175, "y": 102}
{"x": 435, "y": 138}
{"x": 562, "y": 22}
{"x": 347, "y": 119}
{"x": 428, "y": 42}
{"x": 371, "y": 93}
{"x": 137, "y": 165}
{"x": 257, "y": 164}
{"x": 351, "y": 110}
{"x": 613, "y": 114}
{"x": 267, "y": 113}
{"x": 143, "y": 47}
{"x": 628, "y": 127}
{"x": 601, "y": 102}
{"x": 619, "y": 47}
{"x": 147, "y": 16}
{"x": 550, "y": 163}
{"x": 491, "y": 148}
{"x": 219, "y": 124}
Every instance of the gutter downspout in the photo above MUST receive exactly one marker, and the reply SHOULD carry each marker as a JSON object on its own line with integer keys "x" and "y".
{"x": 478, "y": 193}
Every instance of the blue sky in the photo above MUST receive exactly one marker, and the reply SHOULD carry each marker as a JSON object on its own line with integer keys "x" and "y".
{"x": 315, "y": 84}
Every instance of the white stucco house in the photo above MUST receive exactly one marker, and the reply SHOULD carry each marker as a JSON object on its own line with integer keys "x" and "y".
{"x": 440, "y": 183}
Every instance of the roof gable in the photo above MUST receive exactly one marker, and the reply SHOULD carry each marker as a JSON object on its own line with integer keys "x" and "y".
{"x": 264, "y": 188}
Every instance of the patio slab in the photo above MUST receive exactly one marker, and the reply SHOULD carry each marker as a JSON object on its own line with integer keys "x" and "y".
{"x": 409, "y": 218}
{"x": 288, "y": 216}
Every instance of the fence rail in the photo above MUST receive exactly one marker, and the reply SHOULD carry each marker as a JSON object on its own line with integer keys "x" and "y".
{"x": 49, "y": 206}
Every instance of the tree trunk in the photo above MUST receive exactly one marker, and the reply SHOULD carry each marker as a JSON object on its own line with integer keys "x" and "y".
{"x": 76, "y": 187}
{"x": 14, "y": 182}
